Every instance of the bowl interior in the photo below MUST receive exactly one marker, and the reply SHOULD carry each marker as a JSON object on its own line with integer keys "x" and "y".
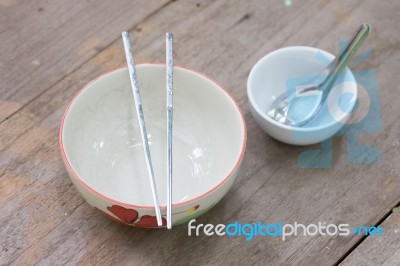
{"x": 102, "y": 141}
{"x": 290, "y": 68}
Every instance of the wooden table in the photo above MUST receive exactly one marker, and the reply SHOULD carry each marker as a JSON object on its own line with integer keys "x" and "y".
{"x": 49, "y": 49}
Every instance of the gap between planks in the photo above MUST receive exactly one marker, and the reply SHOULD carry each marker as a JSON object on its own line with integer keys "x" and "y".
{"x": 363, "y": 238}
{"x": 85, "y": 61}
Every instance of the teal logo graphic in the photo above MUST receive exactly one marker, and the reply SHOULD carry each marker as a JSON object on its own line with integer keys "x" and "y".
{"x": 366, "y": 114}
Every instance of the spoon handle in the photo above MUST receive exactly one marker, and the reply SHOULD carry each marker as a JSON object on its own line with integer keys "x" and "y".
{"x": 339, "y": 64}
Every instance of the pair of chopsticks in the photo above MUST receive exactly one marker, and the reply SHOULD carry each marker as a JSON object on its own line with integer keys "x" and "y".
{"x": 139, "y": 111}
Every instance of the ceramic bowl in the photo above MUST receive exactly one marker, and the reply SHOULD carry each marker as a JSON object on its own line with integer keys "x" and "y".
{"x": 284, "y": 70}
{"x": 103, "y": 153}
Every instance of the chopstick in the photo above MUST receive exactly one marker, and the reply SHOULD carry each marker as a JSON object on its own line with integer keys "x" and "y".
{"x": 139, "y": 111}
{"x": 169, "y": 38}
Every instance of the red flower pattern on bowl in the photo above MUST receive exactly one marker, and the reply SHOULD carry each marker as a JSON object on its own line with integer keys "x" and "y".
{"x": 131, "y": 217}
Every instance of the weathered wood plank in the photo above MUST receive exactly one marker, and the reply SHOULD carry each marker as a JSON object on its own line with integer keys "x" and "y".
{"x": 45, "y": 220}
{"x": 42, "y": 41}
{"x": 379, "y": 250}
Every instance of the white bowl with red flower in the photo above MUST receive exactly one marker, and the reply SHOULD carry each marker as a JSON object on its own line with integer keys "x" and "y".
{"x": 103, "y": 154}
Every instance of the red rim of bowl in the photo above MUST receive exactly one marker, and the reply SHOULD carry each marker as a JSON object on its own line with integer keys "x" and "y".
{"x": 99, "y": 194}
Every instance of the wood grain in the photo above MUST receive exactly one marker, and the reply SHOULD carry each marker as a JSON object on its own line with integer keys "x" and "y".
{"x": 376, "y": 250}
{"x": 43, "y": 41}
{"x": 45, "y": 221}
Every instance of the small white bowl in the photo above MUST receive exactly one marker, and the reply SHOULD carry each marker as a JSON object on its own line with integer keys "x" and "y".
{"x": 102, "y": 149}
{"x": 283, "y": 69}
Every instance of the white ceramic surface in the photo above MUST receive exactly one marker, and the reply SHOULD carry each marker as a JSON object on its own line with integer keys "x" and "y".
{"x": 278, "y": 72}
{"x": 101, "y": 144}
